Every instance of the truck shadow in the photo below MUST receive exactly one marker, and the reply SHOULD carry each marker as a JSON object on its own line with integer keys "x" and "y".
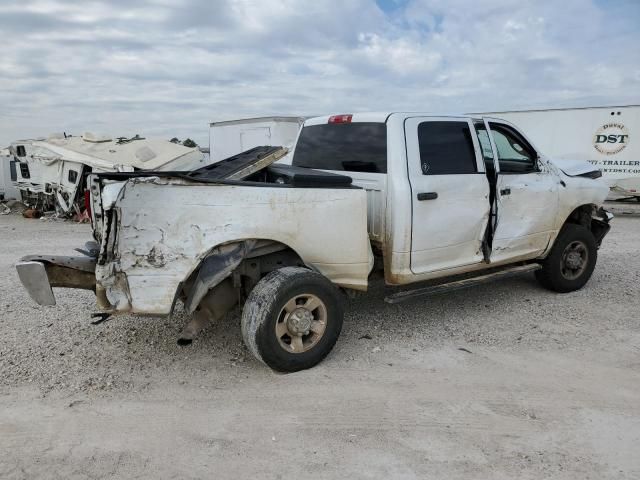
{"x": 129, "y": 352}
{"x": 474, "y": 314}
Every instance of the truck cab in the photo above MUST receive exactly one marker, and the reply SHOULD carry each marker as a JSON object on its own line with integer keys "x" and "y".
{"x": 447, "y": 194}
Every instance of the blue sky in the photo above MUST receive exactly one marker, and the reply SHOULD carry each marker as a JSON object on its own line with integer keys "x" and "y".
{"x": 391, "y": 5}
{"x": 166, "y": 68}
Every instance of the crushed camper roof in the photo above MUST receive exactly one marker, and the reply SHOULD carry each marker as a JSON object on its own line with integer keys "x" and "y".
{"x": 137, "y": 152}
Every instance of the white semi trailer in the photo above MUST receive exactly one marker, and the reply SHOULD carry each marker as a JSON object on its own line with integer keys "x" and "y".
{"x": 608, "y": 137}
{"x": 228, "y": 138}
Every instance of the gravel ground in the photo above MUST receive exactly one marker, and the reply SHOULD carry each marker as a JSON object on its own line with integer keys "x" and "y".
{"x": 504, "y": 380}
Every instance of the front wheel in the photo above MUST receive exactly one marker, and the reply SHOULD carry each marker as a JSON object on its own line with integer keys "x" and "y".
{"x": 571, "y": 261}
{"x": 292, "y": 319}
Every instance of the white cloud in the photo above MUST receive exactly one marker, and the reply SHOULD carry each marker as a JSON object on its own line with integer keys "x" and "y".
{"x": 158, "y": 68}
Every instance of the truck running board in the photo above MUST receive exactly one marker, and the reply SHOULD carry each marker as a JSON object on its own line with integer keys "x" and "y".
{"x": 460, "y": 284}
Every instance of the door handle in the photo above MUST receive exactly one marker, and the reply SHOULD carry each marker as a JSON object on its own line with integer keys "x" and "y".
{"x": 505, "y": 191}
{"x": 427, "y": 196}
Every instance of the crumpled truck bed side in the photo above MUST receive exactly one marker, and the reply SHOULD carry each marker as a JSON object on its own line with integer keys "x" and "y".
{"x": 159, "y": 229}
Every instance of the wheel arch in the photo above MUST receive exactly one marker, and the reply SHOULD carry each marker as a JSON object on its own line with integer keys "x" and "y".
{"x": 588, "y": 215}
{"x": 592, "y": 217}
{"x": 581, "y": 215}
{"x": 221, "y": 261}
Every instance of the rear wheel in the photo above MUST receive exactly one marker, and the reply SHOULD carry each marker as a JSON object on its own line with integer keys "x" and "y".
{"x": 292, "y": 319}
{"x": 571, "y": 261}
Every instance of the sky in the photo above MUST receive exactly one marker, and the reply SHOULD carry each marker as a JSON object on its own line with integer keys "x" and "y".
{"x": 163, "y": 68}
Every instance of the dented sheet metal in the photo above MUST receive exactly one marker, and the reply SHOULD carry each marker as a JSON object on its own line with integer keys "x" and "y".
{"x": 156, "y": 246}
{"x": 217, "y": 266}
{"x": 39, "y": 273}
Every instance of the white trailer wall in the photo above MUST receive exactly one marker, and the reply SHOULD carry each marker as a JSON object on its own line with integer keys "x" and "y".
{"x": 7, "y": 188}
{"x": 231, "y": 137}
{"x": 608, "y": 137}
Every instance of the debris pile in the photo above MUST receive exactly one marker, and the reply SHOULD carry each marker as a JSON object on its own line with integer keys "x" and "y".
{"x": 12, "y": 206}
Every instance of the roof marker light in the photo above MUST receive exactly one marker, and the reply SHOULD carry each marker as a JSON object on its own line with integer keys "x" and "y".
{"x": 344, "y": 118}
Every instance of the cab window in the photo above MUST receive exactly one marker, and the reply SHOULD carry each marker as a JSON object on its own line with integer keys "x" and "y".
{"x": 446, "y": 148}
{"x": 515, "y": 155}
{"x": 349, "y": 147}
{"x": 485, "y": 143}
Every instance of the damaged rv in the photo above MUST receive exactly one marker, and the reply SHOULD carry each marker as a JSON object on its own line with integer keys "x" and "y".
{"x": 50, "y": 172}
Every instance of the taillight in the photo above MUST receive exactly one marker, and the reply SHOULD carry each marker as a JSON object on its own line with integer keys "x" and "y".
{"x": 87, "y": 202}
{"x": 344, "y": 118}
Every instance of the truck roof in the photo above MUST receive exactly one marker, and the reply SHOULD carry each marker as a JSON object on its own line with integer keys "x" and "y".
{"x": 375, "y": 117}
{"x": 381, "y": 117}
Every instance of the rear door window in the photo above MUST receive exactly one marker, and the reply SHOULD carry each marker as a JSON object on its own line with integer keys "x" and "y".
{"x": 349, "y": 147}
{"x": 446, "y": 148}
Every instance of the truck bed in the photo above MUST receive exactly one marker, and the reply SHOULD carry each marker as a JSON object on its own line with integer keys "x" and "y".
{"x": 155, "y": 230}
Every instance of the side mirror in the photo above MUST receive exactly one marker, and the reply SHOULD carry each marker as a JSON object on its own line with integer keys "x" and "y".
{"x": 537, "y": 164}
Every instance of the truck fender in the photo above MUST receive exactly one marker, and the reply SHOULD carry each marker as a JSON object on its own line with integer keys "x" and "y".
{"x": 215, "y": 267}
{"x": 594, "y": 218}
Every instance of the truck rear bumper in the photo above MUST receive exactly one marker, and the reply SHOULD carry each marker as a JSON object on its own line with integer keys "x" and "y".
{"x": 39, "y": 274}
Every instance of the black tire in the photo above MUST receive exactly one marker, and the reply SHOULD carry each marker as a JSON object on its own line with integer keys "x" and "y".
{"x": 268, "y": 312}
{"x": 555, "y": 274}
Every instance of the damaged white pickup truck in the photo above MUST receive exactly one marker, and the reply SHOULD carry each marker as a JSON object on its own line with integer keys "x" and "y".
{"x": 418, "y": 197}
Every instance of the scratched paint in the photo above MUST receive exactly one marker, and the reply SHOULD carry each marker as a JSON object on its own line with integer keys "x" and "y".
{"x": 166, "y": 226}
{"x": 162, "y": 242}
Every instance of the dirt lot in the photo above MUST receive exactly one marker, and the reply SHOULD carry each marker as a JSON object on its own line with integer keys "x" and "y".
{"x": 547, "y": 386}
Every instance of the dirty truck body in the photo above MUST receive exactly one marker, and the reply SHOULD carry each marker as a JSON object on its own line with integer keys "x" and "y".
{"x": 413, "y": 196}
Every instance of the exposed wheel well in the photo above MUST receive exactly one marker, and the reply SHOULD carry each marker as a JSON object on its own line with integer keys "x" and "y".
{"x": 591, "y": 217}
{"x": 582, "y": 215}
{"x": 226, "y": 276}
{"x": 262, "y": 262}
{"x": 245, "y": 262}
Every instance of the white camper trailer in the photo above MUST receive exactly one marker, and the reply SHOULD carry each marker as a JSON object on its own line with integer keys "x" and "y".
{"x": 608, "y": 137}
{"x": 49, "y": 172}
{"x": 7, "y": 173}
{"x": 231, "y": 137}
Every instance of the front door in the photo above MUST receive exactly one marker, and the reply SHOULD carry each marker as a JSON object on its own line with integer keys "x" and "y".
{"x": 450, "y": 193}
{"x": 526, "y": 193}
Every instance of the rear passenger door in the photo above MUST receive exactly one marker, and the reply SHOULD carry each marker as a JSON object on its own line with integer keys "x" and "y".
{"x": 450, "y": 193}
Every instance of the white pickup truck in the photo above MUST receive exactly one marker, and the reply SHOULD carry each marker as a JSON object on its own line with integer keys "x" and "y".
{"x": 420, "y": 197}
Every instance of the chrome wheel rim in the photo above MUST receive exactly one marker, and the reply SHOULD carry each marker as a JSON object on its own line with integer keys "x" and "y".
{"x": 301, "y": 323}
{"x": 574, "y": 260}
